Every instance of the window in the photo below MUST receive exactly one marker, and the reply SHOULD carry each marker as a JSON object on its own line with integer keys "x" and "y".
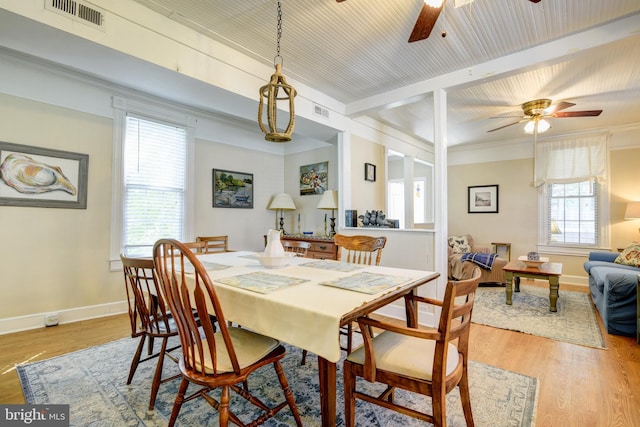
{"x": 154, "y": 184}
{"x": 571, "y": 173}
{"x": 152, "y": 190}
{"x": 573, "y": 214}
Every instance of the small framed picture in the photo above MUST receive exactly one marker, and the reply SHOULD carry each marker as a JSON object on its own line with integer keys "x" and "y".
{"x": 369, "y": 172}
{"x": 483, "y": 199}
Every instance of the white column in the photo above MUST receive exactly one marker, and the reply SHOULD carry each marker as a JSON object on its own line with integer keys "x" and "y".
{"x": 440, "y": 142}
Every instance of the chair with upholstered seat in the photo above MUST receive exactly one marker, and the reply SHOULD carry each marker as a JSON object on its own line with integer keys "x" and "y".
{"x": 428, "y": 361}
{"x": 297, "y": 247}
{"x": 149, "y": 318}
{"x": 214, "y": 244}
{"x": 364, "y": 250}
{"x": 212, "y": 359}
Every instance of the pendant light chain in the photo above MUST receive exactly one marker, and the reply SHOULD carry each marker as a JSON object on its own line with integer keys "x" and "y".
{"x": 278, "y": 35}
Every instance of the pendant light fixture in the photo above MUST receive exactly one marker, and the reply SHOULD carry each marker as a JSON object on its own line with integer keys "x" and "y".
{"x": 277, "y": 90}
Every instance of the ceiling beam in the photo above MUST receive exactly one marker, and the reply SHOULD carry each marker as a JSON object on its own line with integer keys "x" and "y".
{"x": 525, "y": 60}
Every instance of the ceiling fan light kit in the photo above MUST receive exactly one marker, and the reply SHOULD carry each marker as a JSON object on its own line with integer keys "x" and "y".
{"x": 537, "y": 125}
{"x": 537, "y": 112}
{"x": 277, "y": 90}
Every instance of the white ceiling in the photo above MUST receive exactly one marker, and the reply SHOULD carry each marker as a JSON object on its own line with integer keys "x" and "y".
{"x": 497, "y": 54}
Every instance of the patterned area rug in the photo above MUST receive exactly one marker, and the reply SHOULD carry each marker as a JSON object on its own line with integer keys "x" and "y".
{"x": 93, "y": 380}
{"x": 575, "y": 321}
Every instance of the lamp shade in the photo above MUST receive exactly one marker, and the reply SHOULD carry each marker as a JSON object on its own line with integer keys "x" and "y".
{"x": 282, "y": 201}
{"x": 632, "y": 211}
{"x": 329, "y": 200}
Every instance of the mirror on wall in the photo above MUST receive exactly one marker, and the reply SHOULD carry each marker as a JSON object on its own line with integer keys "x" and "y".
{"x": 410, "y": 191}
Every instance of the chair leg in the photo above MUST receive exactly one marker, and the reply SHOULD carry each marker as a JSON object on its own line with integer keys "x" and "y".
{"x": 439, "y": 403}
{"x": 349, "y": 399}
{"x": 287, "y": 393}
{"x": 136, "y": 359}
{"x": 150, "y": 349}
{"x": 466, "y": 399}
{"x": 157, "y": 376}
{"x": 178, "y": 402}
{"x": 349, "y": 337}
{"x": 223, "y": 409}
{"x": 304, "y": 357}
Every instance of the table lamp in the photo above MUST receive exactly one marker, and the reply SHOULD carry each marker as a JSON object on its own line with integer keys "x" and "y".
{"x": 282, "y": 202}
{"x": 632, "y": 211}
{"x": 329, "y": 201}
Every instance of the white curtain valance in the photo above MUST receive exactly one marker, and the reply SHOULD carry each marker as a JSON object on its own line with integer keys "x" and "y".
{"x": 573, "y": 159}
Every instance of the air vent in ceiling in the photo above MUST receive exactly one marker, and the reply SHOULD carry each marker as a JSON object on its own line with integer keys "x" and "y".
{"x": 78, "y": 11}
{"x": 319, "y": 110}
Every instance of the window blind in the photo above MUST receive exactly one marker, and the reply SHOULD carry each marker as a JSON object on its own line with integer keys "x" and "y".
{"x": 155, "y": 158}
{"x": 575, "y": 159}
{"x": 572, "y": 215}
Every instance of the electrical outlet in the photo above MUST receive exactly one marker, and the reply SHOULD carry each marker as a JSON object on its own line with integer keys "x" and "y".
{"x": 51, "y": 319}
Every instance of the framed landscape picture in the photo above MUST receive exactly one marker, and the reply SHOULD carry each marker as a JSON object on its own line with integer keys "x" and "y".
{"x": 232, "y": 189}
{"x": 42, "y": 177}
{"x": 483, "y": 199}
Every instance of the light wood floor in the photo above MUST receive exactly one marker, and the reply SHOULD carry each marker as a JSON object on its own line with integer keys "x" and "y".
{"x": 579, "y": 386}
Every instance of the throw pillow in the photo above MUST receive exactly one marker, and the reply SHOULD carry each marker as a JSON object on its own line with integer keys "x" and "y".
{"x": 459, "y": 244}
{"x": 630, "y": 256}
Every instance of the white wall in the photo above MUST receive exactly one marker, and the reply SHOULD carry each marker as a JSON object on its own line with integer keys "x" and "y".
{"x": 57, "y": 260}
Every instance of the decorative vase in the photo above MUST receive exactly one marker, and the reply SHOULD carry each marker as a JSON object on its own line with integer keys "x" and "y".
{"x": 274, "y": 246}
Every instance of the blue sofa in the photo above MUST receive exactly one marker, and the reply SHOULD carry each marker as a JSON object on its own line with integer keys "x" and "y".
{"x": 614, "y": 292}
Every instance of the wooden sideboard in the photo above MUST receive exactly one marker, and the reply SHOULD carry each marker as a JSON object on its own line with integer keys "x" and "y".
{"x": 321, "y": 248}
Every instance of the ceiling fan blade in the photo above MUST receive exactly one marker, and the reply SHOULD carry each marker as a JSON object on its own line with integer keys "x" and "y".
{"x": 534, "y": 1}
{"x": 502, "y": 127}
{"x": 557, "y": 107}
{"x": 426, "y": 21}
{"x": 586, "y": 113}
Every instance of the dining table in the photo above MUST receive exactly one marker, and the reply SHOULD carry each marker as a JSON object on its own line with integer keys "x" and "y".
{"x": 305, "y": 302}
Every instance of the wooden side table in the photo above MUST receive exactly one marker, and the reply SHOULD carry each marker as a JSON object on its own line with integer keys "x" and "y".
{"x": 506, "y": 246}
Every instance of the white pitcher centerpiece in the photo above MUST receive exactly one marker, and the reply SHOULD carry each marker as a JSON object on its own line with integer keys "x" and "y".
{"x": 274, "y": 245}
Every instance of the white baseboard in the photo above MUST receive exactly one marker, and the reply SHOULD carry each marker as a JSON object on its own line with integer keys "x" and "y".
{"x": 34, "y": 321}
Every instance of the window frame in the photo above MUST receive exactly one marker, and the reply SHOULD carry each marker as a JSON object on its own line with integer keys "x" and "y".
{"x": 558, "y": 248}
{"x": 155, "y": 112}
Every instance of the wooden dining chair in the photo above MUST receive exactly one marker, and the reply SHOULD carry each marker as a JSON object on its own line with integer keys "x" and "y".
{"x": 197, "y": 247}
{"x": 428, "y": 361}
{"x": 297, "y": 247}
{"x": 212, "y": 359}
{"x": 149, "y": 318}
{"x": 359, "y": 250}
{"x": 214, "y": 243}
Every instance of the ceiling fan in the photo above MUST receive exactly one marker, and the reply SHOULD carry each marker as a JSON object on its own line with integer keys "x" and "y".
{"x": 537, "y": 111}
{"x": 429, "y": 15}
